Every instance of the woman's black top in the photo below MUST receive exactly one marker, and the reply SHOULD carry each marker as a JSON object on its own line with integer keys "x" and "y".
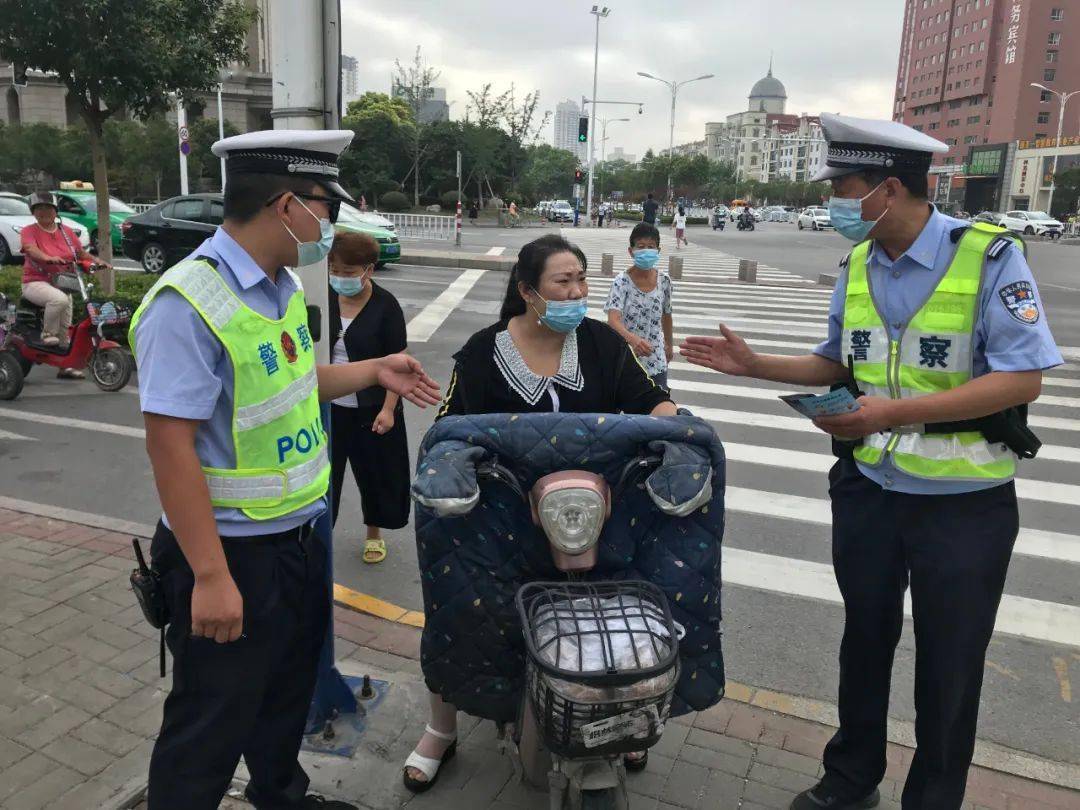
{"x": 378, "y": 330}
{"x": 598, "y": 374}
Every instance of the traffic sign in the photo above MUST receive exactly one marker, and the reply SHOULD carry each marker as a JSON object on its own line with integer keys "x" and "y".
{"x": 183, "y": 133}
{"x": 185, "y": 147}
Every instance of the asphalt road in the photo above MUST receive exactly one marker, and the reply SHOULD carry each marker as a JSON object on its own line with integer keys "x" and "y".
{"x": 782, "y": 622}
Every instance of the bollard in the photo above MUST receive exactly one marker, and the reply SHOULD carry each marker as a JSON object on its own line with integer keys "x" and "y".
{"x": 748, "y": 271}
{"x": 607, "y": 264}
{"x": 675, "y": 267}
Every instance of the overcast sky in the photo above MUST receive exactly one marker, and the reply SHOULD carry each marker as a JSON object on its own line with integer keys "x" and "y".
{"x": 833, "y": 55}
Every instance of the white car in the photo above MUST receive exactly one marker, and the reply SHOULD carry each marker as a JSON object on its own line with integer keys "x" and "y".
{"x": 561, "y": 211}
{"x": 370, "y": 217}
{"x": 1032, "y": 223}
{"x": 816, "y": 219}
{"x": 14, "y": 216}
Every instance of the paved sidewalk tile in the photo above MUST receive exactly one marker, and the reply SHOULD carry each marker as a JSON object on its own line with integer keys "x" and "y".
{"x": 80, "y": 704}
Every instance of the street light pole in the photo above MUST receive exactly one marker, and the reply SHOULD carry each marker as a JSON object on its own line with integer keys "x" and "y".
{"x": 598, "y": 13}
{"x": 673, "y": 86}
{"x": 1063, "y": 97}
{"x": 221, "y": 134}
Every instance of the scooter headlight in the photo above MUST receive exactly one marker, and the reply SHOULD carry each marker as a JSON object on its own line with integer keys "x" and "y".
{"x": 572, "y": 518}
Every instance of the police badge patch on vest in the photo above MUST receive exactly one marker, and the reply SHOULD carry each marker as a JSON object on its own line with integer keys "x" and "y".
{"x": 1019, "y": 299}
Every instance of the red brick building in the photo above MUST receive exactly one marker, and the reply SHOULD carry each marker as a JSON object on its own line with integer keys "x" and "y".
{"x": 966, "y": 69}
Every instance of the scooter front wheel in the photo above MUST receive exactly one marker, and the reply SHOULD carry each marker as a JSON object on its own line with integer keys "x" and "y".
{"x": 11, "y": 376}
{"x": 111, "y": 368}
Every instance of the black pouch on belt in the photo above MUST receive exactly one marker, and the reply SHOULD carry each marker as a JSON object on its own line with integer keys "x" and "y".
{"x": 147, "y": 586}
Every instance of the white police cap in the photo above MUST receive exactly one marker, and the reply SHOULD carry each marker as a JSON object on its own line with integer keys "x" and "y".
{"x": 307, "y": 153}
{"x": 861, "y": 144}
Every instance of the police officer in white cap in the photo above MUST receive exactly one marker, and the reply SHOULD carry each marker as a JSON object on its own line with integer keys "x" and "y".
{"x": 937, "y": 327}
{"x": 230, "y": 393}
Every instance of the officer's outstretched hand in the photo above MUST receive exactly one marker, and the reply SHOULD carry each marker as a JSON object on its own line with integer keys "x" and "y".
{"x": 217, "y": 608}
{"x": 874, "y": 415}
{"x": 729, "y": 353}
{"x": 403, "y": 374}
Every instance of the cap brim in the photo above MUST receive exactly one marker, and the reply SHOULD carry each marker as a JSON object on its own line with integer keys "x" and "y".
{"x": 335, "y": 188}
{"x": 829, "y": 172}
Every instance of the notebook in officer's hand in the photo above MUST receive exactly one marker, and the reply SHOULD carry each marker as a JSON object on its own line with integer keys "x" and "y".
{"x": 833, "y": 403}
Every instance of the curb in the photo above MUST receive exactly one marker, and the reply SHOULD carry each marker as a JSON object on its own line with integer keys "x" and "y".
{"x": 454, "y": 259}
{"x": 989, "y": 755}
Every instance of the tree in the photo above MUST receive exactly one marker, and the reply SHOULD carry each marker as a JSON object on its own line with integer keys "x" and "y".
{"x": 522, "y": 126}
{"x": 413, "y": 84}
{"x": 1066, "y": 192}
{"x": 126, "y": 55}
{"x": 379, "y": 157}
{"x": 549, "y": 172}
{"x": 202, "y": 162}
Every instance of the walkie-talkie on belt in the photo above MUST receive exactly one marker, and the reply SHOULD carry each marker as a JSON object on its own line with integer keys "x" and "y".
{"x": 147, "y": 586}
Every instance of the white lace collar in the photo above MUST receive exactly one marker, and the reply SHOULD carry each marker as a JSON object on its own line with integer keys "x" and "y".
{"x": 529, "y": 385}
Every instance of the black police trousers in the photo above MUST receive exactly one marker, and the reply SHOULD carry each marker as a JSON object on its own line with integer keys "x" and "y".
{"x": 249, "y": 697}
{"x": 953, "y": 552}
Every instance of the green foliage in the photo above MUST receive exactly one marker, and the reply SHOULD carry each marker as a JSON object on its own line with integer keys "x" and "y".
{"x": 394, "y": 201}
{"x": 448, "y": 200}
{"x": 1066, "y": 193}
{"x": 549, "y": 172}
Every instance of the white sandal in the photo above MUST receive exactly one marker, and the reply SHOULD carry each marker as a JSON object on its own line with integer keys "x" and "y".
{"x": 428, "y": 766}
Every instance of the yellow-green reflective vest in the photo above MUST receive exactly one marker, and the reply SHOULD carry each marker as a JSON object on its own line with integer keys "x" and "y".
{"x": 933, "y": 353}
{"x": 282, "y": 462}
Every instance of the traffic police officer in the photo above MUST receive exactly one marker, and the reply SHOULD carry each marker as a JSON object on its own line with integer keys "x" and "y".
{"x": 230, "y": 393}
{"x": 939, "y": 324}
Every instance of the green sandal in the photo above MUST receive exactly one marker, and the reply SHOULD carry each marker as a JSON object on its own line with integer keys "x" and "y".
{"x": 374, "y": 550}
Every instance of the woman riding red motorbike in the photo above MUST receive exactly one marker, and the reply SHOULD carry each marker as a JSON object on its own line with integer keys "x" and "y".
{"x": 49, "y": 247}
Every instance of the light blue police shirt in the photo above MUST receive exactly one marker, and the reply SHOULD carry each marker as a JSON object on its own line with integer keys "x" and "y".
{"x": 1003, "y": 342}
{"x": 185, "y": 372}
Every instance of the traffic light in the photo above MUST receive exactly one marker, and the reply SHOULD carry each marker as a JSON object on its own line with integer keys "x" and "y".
{"x": 583, "y": 130}
{"x": 579, "y": 175}
{"x": 19, "y": 74}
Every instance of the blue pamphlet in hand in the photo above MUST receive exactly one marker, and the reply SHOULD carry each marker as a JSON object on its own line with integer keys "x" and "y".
{"x": 833, "y": 403}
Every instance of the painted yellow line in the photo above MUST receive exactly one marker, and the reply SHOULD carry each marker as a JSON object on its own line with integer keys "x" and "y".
{"x": 364, "y": 603}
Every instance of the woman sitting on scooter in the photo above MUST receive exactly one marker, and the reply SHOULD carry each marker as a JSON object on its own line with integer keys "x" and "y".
{"x": 543, "y": 356}
{"x": 49, "y": 247}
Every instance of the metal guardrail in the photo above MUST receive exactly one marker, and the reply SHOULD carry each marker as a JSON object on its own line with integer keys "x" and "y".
{"x": 422, "y": 226}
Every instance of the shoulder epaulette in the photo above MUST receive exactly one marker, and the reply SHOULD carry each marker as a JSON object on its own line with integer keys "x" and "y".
{"x": 957, "y": 233}
{"x": 1000, "y": 245}
{"x": 212, "y": 262}
{"x": 846, "y": 260}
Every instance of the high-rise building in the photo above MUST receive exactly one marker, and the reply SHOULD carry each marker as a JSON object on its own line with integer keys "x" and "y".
{"x": 965, "y": 74}
{"x": 567, "y": 115}
{"x": 618, "y": 153}
{"x": 350, "y": 79}
{"x": 433, "y": 108}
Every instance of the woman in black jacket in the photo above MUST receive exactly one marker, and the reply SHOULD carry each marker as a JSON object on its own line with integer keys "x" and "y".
{"x": 367, "y": 428}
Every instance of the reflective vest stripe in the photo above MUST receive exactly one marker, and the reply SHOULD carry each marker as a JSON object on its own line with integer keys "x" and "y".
{"x": 229, "y": 489}
{"x": 278, "y": 405}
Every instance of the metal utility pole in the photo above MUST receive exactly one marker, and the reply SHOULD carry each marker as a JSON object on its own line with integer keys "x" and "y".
{"x": 1063, "y": 97}
{"x": 673, "y": 86}
{"x": 306, "y": 49}
{"x": 598, "y": 13}
{"x": 182, "y": 143}
{"x": 221, "y": 133}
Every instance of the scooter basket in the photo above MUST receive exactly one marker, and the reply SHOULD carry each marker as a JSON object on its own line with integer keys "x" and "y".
{"x": 602, "y": 664}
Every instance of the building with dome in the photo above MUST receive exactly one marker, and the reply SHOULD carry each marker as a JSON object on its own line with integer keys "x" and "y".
{"x": 764, "y": 142}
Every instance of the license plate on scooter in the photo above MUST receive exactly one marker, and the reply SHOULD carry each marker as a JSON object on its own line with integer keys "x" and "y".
{"x": 634, "y": 723}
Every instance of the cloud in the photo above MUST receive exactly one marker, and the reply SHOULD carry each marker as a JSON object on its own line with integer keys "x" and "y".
{"x": 836, "y": 55}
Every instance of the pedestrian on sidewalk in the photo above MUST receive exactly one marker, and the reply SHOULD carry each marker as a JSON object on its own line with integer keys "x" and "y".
{"x": 639, "y": 304}
{"x": 939, "y": 324}
{"x": 600, "y": 216}
{"x": 231, "y": 394}
{"x": 366, "y": 322}
{"x": 678, "y": 222}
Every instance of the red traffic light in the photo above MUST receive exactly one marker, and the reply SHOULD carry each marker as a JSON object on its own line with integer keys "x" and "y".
{"x": 579, "y": 175}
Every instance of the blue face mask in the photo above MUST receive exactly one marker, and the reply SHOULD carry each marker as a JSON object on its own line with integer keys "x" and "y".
{"x": 564, "y": 316}
{"x": 347, "y": 285}
{"x": 312, "y": 252}
{"x": 646, "y": 258}
{"x": 846, "y": 216}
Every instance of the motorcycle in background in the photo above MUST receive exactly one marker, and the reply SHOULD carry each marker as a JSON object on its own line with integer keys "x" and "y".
{"x": 110, "y": 364}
